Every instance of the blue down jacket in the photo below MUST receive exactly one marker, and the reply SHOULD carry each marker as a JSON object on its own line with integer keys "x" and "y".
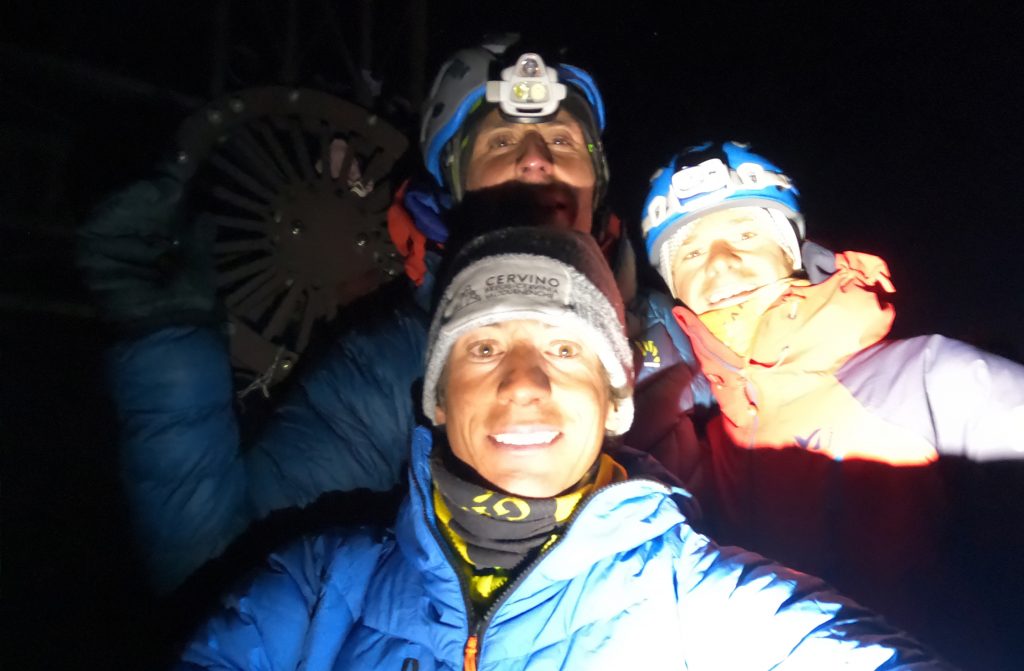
{"x": 629, "y": 585}
{"x": 191, "y": 487}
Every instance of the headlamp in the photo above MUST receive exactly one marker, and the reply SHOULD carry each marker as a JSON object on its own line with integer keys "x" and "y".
{"x": 528, "y": 91}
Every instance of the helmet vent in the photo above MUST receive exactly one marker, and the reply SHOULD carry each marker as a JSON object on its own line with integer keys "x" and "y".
{"x": 457, "y": 70}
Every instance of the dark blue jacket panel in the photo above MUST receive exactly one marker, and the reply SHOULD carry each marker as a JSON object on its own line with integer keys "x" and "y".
{"x": 192, "y": 490}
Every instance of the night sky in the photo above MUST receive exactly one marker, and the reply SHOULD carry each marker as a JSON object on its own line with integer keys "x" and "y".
{"x": 899, "y": 122}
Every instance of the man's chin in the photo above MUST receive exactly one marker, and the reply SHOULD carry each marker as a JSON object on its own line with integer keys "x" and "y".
{"x": 558, "y": 204}
{"x": 530, "y": 489}
{"x": 584, "y": 220}
{"x": 529, "y": 483}
{"x": 566, "y": 214}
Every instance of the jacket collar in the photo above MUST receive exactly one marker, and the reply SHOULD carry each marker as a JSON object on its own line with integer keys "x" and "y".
{"x": 816, "y": 327}
{"x": 800, "y": 342}
{"x": 615, "y": 519}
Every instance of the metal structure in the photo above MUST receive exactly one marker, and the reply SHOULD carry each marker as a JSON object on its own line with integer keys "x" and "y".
{"x": 293, "y": 177}
{"x": 296, "y": 183}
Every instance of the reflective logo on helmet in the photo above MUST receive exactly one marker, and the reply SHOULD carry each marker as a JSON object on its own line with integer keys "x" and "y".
{"x": 711, "y": 175}
{"x": 700, "y": 186}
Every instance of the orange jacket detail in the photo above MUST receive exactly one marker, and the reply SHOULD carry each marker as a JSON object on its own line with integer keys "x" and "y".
{"x": 786, "y": 394}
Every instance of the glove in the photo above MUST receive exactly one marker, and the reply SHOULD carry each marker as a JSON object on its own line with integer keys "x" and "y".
{"x": 147, "y": 262}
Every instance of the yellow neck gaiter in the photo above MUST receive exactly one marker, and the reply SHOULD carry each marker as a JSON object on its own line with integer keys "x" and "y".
{"x": 487, "y": 514}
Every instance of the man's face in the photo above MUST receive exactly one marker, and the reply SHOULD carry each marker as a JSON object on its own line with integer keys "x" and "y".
{"x": 540, "y": 153}
{"x": 525, "y": 406}
{"x": 725, "y": 257}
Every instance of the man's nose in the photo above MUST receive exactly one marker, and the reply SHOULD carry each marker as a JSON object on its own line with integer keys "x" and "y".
{"x": 721, "y": 257}
{"x": 535, "y": 163}
{"x": 523, "y": 379}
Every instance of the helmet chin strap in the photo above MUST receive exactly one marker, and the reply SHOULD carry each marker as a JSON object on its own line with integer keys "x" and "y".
{"x": 786, "y": 237}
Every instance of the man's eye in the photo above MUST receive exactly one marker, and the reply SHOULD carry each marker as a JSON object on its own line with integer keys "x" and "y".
{"x": 499, "y": 141}
{"x": 483, "y": 349}
{"x": 565, "y": 350}
{"x": 747, "y": 235}
{"x": 692, "y": 254}
{"x": 562, "y": 140}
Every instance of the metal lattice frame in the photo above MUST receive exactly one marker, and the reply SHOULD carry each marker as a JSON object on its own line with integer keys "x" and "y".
{"x": 296, "y": 183}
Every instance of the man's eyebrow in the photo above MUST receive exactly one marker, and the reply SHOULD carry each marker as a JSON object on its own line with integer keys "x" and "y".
{"x": 505, "y": 124}
{"x": 559, "y": 125}
{"x": 502, "y": 124}
{"x": 688, "y": 237}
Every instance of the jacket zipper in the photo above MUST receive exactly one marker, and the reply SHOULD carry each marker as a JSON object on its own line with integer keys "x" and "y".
{"x": 469, "y": 654}
{"x": 463, "y": 588}
{"x": 474, "y": 644}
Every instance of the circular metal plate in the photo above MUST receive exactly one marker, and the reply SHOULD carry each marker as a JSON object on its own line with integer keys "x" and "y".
{"x": 296, "y": 183}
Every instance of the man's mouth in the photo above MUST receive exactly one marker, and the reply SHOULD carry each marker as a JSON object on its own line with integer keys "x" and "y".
{"x": 560, "y": 203}
{"x": 526, "y": 436}
{"x": 730, "y": 295}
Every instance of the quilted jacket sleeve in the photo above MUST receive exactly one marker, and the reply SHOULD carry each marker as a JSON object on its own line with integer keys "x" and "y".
{"x": 348, "y": 424}
{"x": 742, "y": 611}
{"x": 192, "y": 489}
{"x": 296, "y": 612}
{"x": 180, "y": 465}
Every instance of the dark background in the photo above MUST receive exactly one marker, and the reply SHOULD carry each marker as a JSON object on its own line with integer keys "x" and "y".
{"x": 900, "y": 123}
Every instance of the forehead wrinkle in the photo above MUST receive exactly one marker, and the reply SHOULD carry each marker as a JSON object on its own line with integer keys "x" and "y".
{"x": 727, "y": 219}
{"x": 499, "y": 122}
{"x": 520, "y": 324}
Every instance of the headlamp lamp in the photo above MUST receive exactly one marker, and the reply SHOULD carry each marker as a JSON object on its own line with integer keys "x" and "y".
{"x": 528, "y": 91}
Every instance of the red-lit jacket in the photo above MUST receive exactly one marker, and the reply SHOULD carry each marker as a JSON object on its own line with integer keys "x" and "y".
{"x": 820, "y": 378}
{"x": 823, "y": 454}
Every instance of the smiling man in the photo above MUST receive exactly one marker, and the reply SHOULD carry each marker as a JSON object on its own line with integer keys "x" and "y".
{"x": 528, "y": 398}
{"x": 522, "y": 542}
{"x": 729, "y": 257}
{"x": 544, "y": 435}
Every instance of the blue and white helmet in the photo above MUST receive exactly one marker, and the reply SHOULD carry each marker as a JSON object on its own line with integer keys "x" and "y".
{"x": 472, "y": 82}
{"x": 711, "y": 177}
